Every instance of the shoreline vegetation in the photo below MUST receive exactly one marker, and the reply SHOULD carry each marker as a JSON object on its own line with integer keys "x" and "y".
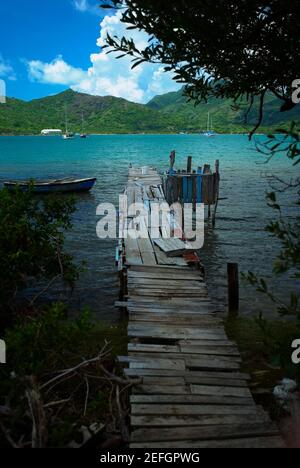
{"x": 166, "y": 114}
{"x": 132, "y": 134}
{"x": 62, "y": 385}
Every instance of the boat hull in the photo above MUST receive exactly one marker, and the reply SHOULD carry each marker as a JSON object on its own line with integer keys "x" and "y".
{"x": 83, "y": 185}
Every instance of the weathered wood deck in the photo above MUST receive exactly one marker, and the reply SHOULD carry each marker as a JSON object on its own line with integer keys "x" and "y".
{"x": 193, "y": 393}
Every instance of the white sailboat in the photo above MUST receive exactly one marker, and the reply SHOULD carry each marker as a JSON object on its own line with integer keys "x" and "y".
{"x": 68, "y": 135}
{"x": 209, "y": 132}
{"x": 83, "y": 134}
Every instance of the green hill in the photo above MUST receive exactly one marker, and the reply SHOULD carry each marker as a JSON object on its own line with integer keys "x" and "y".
{"x": 225, "y": 118}
{"x": 169, "y": 113}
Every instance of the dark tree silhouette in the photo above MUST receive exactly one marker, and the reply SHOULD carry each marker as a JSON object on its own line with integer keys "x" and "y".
{"x": 237, "y": 49}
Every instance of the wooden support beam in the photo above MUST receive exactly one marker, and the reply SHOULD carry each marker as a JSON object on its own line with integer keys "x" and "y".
{"x": 189, "y": 164}
{"x": 233, "y": 287}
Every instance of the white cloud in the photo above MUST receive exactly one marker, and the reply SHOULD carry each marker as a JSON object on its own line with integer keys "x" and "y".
{"x": 55, "y": 72}
{"x": 6, "y": 70}
{"x": 108, "y": 75}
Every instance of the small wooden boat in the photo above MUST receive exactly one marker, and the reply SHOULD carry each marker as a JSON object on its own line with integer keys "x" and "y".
{"x": 53, "y": 186}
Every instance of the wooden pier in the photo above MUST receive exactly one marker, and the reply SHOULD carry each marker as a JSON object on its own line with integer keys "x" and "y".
{"x": 192, "y": 392}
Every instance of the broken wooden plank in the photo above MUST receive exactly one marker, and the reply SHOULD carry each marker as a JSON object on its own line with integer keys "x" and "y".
{"x": 173, "y": 247}
{"x": 152, "y": 348}
{"x": 186, "y": 357}
{"x": 200, "y": 420}
{"x": 207, "y": 433}
{"x": 153, "y": 363}
{"x": 217, "y": 390}
{"x": 177, "y": 381}
{"x": 191, "y": 399}
{"x": 187, "y": 373}
{"x": 255, "y": 442}
{"x": 162, "y": 390}
{"x": 187, "y": 410}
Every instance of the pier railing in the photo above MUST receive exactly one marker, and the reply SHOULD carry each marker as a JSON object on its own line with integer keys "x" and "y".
{"x": 193, "y": 186}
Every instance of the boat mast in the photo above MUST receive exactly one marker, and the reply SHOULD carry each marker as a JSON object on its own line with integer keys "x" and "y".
{"x": 82, "y": 123}
{"x": 208, "y": 121}
{"x": 66, "y": 119}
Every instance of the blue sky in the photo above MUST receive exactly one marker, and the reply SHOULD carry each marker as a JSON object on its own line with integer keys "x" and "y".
{"x": 47, "y": 46}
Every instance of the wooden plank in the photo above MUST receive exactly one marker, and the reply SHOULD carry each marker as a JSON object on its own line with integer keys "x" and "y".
{"x": 255, "y": 442}
{"x": 198, "y": 433}
{"x": 171, "y": 314}
{"x": 168, "y": 288}
{"x": 187, "y": 373}
{"x": 191, "y": 399}
{"x": 164, "y": 293}
{"x": 217, "y": 390}
{"x": 219, "y": 332}
{"x": 174, "y": 333}
{"x": 170, "y": 311}
{"x": 172, "y": 318}
{"x": 177, "y": 381}
{"x": 152, "y": 348}
{"x": 196, "y": 324}
{"x": 164, "y": 260}
{"x": 215, "y": 381}
{"x": 190, "y": 410}
{"x": 209, "y": 343}
{"x": 173, "y": 247}
{"x": 133, "y": 255}
{"x": 161, "y": 269}
{"x": 166, "y": 283}
{"x": 162, "y": 390}
{"x": 148, "y": 258}
{"x": 170, "y": 301}
{"x": 153, "y": 363}
{"x": 199, "y": 308}
{"x": 214, "y": 350}
{"x": 188, "y": 358}
{"x": 199, "y": 363}
{"x": 166, "y": 275}
{"x": 200, "y": 420}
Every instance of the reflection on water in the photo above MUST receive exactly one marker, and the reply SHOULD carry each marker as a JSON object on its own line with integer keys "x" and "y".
{"x": 239, "y": 235}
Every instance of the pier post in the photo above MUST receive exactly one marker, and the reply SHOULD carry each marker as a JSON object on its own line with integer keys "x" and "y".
{"x": 233, "y": 288}
{"x": 217, "y": 191}
{"x": 189, "y": 164}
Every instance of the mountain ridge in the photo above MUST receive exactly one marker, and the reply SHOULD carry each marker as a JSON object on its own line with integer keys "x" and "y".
{"x": 167, "y": 113}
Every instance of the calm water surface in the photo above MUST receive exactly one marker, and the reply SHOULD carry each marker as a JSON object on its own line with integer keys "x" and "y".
{"x": 239, "y": 235}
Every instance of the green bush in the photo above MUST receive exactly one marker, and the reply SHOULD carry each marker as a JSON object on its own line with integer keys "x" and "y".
{"x": 32, "y": 243}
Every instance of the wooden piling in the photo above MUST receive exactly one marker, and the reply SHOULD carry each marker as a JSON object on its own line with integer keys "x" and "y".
{"x": 233, "y": 288}
{"x": 217, "y": 190}
{"x": 189, "y": 164}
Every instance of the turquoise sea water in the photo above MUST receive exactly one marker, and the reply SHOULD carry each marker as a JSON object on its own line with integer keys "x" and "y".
{"x": 239, "y": 235}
